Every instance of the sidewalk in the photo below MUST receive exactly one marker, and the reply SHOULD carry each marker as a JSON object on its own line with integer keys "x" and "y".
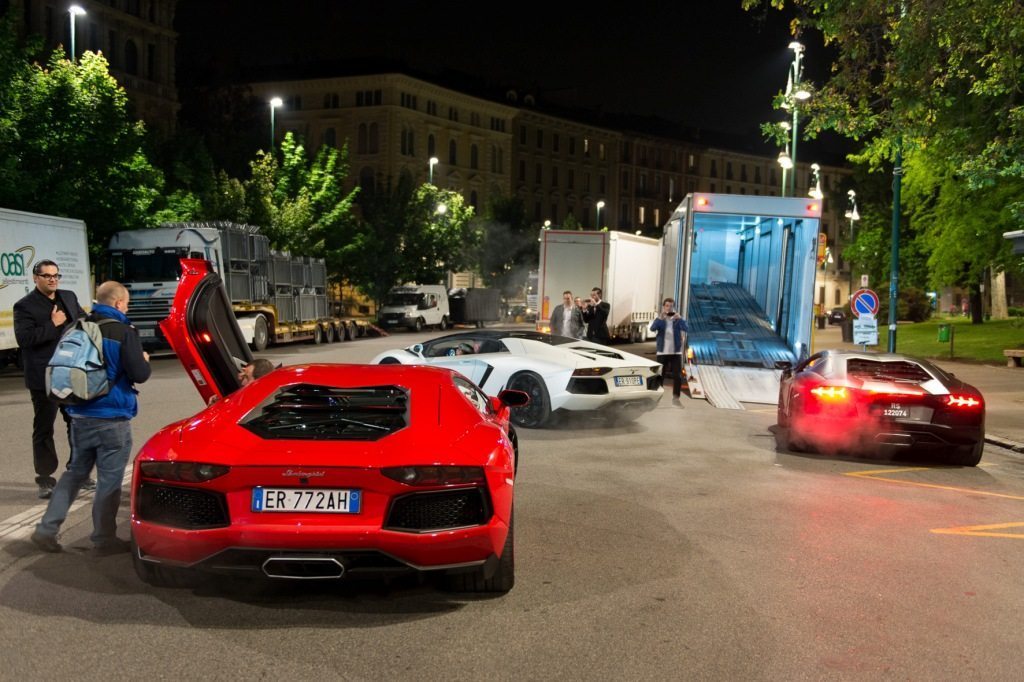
{"x": 1002, "y": 387}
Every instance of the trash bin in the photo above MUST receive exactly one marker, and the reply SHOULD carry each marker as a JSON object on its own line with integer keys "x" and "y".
{"x": 944, "y": 333}
{"x": 821, "y": 321}
{"x": 848, "y": 330}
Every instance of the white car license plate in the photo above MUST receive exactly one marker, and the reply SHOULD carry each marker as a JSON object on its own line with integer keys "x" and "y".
{"x": 629, "y": 381}
{"x": 313, "y": 500}
{"x": 895, "y": 411}
{"x": 147, "y": 333}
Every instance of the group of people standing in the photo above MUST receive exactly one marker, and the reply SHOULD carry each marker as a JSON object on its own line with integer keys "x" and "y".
{"x": 580, "y": 319}
{"x": 589, "y": 319}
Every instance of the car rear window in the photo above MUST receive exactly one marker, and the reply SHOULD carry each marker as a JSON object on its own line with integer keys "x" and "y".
{"x": 895, "y": 370}
{"x": 312, "y": 412}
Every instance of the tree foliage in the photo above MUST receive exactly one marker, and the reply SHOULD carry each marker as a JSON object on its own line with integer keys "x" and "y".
{"x": 405, "y": 236}
{"x": 941, "y": 82}
{"x": 67, "y": 144}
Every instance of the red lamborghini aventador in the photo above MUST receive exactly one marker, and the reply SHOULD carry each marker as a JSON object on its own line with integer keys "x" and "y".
{"x": 321, "y": 471}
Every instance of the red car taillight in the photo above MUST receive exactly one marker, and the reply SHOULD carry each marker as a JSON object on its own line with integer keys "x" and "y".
{"x": 963, "y": 401}
{"x": 188, "y": 472}
{"x": 832, "y": 394}
{"x": 435, "y": 475}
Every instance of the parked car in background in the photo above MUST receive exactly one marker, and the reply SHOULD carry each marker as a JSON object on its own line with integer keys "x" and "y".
{"x": 863, "y": 403}
{"x": 836, "y": 316}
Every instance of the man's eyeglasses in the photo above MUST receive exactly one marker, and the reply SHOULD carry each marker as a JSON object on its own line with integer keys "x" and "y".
{"x": 48, "y": 276}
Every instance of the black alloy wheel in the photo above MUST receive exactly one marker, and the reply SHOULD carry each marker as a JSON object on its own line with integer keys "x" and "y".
{"x": 537, "y": 412}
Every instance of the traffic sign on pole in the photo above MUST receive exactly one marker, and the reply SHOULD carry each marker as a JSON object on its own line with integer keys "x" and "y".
{"x": 864, "y": 302}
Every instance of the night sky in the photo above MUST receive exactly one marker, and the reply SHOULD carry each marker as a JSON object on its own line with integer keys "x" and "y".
{"x": 706, "y": 64}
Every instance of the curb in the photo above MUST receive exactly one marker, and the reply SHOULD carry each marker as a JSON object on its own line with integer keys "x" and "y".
{"x": 1005, "y": 443}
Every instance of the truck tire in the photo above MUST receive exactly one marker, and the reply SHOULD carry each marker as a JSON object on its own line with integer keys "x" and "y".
{"x": 330, "y": 335}
{"x": 419, "y": 324}
{"x": 444, "y": 323}
{"x": 318, "y": 335}
{"x": 260, "y": 337}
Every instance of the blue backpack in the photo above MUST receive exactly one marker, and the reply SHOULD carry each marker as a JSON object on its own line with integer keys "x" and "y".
{"x": 77, "y": 372}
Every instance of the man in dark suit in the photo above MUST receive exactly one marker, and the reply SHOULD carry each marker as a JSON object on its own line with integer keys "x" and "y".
{"x": 40, "y": 318}
{"x": 596, "y": 317}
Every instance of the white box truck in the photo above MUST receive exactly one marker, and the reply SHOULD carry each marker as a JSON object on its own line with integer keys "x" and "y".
{"x": 26, "y": 239}
{"x": 623, "y": 265}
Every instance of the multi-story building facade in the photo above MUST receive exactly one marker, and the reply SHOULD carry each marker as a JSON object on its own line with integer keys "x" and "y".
{"x": 136, "y": 37}
{"x": 560, "y": 167}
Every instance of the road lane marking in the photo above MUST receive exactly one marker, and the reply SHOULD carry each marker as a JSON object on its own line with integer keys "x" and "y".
{"x": 873, "y": 475}
{"x": 21, "y": 525}
{"x": 983, "y": 531}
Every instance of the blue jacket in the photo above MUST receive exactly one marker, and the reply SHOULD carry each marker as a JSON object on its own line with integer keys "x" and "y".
{"x": 126, "y": 366}
{"x": 678, "y": 329}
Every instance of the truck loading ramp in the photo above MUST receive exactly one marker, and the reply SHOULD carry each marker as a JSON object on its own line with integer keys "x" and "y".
{"x": 735, "y": 347}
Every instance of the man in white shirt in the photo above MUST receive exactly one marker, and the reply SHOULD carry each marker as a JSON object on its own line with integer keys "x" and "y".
{"x": 567, "y": 319}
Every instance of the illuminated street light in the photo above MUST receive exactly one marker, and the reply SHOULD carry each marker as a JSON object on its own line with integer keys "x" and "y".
{"x": 795, "y": 94}
{"x": 854, "y": 216}
{"x": 547, "y": 224}
{"x": 600, "y": 205}
{"x": 74, "y": 11}
{"x": 442, "y": 209}
{"x": 815, "y": 191}
{"x": 432, "y": 162}
{"x": 274, "y": 104}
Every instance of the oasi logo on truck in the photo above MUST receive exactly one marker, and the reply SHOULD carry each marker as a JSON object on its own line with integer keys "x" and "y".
{"x": 16, "y": 264}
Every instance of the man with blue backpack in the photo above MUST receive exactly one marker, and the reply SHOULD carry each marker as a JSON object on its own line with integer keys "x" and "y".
{"x": 101, "y": 432}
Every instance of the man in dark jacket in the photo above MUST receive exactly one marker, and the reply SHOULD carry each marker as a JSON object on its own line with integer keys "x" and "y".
{"x": 40, "y": 318}
{"x": 596, "y": 317}
{"x": 101, "y": 432}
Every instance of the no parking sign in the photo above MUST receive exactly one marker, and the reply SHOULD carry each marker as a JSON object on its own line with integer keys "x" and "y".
{"x": 864, "y": 302}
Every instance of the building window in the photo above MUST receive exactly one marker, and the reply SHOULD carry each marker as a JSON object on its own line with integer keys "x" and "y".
{"x": 554, "y": 177}
{"x": 601, "y": 183}
{"x": 586, "y": 182}
{"x": 473, "y": 200}
{"x": 743, "y": 172}
{"x": 771, "y": 176}
{"x": 474, "y": 119}
{"x": 367, "y": 98}
{"x": 453, "y": 114}
{"x": 498, "y": 124}
{"x": 586, "y": 147}
{"x": 537, "y": 174}
{"x": 374, "y": 138}
{"x": 522, "y": 171}
{"x": 431, "y": 146}
{"x": 361, "y": 139}
{"x": 497, "y": 159}
{"x": 570, "y": 179}
{"x": 728, "y": 170}
{"x": 554, "y": 142}
{"x": 453, "y": 156}
{"x": 757, "y": 174}
{"x": 837, "y": 297}
{"x": 714, "y": 169}
{"x": 432, "y": 107}
{"x": 691, "y": 164}
{"x": 600, "y": 151}
{"x": 331, "y": 100}
{"x": 131, "y": 58}
{"x": 474, "y": 157}
{"x": 657, "y": 217}
{"x": 625, "y": 180}
{"x": 115, "y": 62}
{"x": 642, "y": 215}
{"x": 151, "y": 62}
{"x": 572, "y": 146}
{"x": 408, "y": 142}
{"x": 408, "y": 101}
{"x": 522, "y": 134}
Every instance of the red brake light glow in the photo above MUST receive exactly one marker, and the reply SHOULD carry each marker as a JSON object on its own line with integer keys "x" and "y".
{"x": 832, "y": 393}
{"x": 963, "y": 401}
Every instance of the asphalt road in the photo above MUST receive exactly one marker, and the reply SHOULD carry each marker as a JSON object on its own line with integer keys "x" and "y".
{"x": 683, "y": 546}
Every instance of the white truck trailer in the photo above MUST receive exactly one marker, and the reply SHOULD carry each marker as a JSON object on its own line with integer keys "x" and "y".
{"x": 743, "y": 269}
{"x": 623, "y": 265}
{"x": 277, "y": 297}
{"x": 26, "y": 239}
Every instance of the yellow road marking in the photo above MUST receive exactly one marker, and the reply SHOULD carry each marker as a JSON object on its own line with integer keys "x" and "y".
{"x": 872, "y": 475}
{"x": 983, "y": 531}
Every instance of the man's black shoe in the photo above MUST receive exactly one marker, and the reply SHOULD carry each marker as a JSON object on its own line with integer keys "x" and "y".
{"x": 45, "y": 491}
{"x": 115, "y": 546}
{"x": 47, "y": 543}
{"x": 89, "y": 485}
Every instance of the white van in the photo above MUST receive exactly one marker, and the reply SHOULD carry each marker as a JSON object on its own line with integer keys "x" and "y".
{"x": 416, "y": 306}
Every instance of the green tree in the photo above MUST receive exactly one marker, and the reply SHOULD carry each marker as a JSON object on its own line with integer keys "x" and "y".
{"x": 508, "y": 245}
{"x": 405, "y": 236}
{"x": 301, "y": 204}
{"x": 941, "y": 83}
{"x": 69, "y": 147}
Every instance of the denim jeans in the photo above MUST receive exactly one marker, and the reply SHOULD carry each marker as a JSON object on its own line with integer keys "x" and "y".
{"x": 107, "y": 443}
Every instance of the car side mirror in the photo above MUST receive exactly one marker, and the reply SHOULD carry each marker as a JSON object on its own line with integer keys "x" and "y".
{"x": 417, "y": 348}
{"x": 514, "y": 398}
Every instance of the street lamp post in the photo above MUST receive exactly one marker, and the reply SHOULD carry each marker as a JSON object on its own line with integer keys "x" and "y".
{"x": 274, "y": 104}
{"x": 600, "y": 205}
{"x": 786, "y": 164}
{"x": 74, "y": 11}
{"x": 433, "y": 162}
{"x": 815, "y": 191}
{"x": 794, "y": 95}
{"x": 852, "y": 214}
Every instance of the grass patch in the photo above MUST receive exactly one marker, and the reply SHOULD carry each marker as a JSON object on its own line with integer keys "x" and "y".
{"x": 973, "y": 342}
